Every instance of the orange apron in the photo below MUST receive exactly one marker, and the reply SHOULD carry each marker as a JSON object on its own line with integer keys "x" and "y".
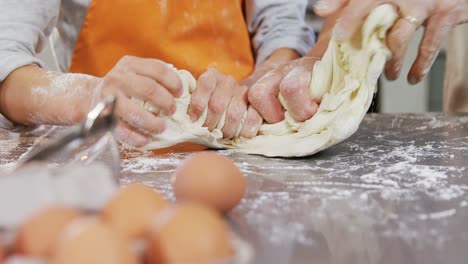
{"x": 190, "y": 34}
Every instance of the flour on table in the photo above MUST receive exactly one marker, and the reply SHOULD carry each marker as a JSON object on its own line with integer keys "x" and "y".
{"x": 344, "y": 81}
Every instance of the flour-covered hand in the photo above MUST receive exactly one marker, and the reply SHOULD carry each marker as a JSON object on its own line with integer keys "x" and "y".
{"x": 437, "y": 16}
{"x": 217, "y": 94}
{"x": 148, "y": 80}
{"x": 291, "y": 80}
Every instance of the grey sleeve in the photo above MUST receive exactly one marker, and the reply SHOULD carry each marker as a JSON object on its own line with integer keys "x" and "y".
{"x": 24, "y": 29}
{"x": 275, "y": 24}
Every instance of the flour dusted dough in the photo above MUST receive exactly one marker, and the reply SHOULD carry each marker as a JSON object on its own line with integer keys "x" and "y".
{"x": 344, "y": 80}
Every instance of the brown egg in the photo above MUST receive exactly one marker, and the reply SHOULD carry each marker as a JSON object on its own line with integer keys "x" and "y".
{"x": 37, "y": 236}
{"x": 88, "y": 240}
{"x": 209, "y": 178}
{"x": 131, "y": 209}
{"x": 188, "y": 233}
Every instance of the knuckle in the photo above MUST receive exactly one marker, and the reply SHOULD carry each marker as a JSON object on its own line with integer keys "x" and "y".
{"x": 126, "y": 59}
{"x": 216, "y": 106}
{"x": 288, "y": 89}
{"x": 121, "y": 133}
{"x": 147, "y": 90}
{"x": 233, "y": 118}
{"x": 231, "y": 80}
{"x": 162, "y": 69}
{"x": 212, "y": 71}
{"x": 159, "y": 127}
{"x": 197, "y": 107}
{"x": 257, "y": 93}
{"x": 251, "y": 118}
{"x": 227, "y": 83}
{"x": 112, "y": 77}
{"x": 131, "y": 115}
{"x": 205, "y": 83}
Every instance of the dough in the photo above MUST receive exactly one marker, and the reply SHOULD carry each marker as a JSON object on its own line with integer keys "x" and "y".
{"x": 344, "y": 80}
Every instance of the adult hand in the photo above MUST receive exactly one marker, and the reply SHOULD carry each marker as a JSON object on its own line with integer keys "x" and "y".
{"x": 149, "y": 80}
{"x": 437, "y": 16}
{"x": 221, "y": 93}
{"x": 291, "y": 80}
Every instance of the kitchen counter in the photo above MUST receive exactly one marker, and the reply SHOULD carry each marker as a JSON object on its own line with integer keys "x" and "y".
{"x": 395, "y": 192}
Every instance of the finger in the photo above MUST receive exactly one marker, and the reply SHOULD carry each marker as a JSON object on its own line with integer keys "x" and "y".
{"x": 147, "y": 89}
{"x": 235, "y": 112}
{"x": 353, "y": 16}
{"x": 252, "y": 123}
{"x": 328, "y": 7}
{"x": 429, "y": 48}
{"x": 398, "y": 42}
{"x": 295, "y": 90}
{"x": 156, "y": 70}
{"x": 219, "y": 102}
{"x": 263, "y": 96}
{"x": 128, "y": 135}
{"x": 206, "y": 85}
{"x": 137, "y": 117}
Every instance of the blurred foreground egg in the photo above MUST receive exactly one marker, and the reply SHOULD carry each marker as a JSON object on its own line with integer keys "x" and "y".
{"x": 188, "y": 233}
{"x": 209, "y": 178}
{"x": 131, "y": 209}
{"x": 2, "y": 253}
{"x": 88, "y": 240}
{"x": 37, "y": 236}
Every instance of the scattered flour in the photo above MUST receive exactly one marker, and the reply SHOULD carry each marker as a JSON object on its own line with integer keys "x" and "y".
{"x": 67, "y": 86}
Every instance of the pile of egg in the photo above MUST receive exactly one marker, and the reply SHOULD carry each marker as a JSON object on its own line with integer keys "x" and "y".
{"x": 138, "y": 225}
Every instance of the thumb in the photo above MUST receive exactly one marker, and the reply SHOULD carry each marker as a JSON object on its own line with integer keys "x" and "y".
{"x": 328, "y": 7}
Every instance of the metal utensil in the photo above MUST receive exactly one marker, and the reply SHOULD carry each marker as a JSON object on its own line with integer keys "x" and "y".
{"x": 99, "y": 120}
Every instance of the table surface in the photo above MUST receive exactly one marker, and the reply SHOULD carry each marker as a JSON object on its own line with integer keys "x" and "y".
{"x": 395, "y": 192}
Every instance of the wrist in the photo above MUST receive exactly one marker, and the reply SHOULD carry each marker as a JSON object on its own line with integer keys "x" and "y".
{"x": 277, "y": 58}
{"x": 319, "y": 49}
{"x": 282, "y": 55}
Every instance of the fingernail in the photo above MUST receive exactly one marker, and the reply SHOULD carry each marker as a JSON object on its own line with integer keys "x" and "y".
{"x": 180, "y": 93}
{"x": 192, "y": 115}
{"x": 414, "y": 80}
{"x": 171, "y": 111}
{"x": 322, "y": 6}
{"x": 397, "y": 69}
{"x": 395, "y": 72}
{"x": 338, "y": 33}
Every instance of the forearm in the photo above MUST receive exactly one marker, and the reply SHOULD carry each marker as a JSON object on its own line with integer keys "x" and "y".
{"x": 32, "y": 95}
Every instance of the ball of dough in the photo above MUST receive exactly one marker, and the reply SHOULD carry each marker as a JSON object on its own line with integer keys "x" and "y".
{"x": 188, "y": 233}
{"x": 209, "y": 178}
{"x": 37, "y": 236}
{"x": 131, "y": 209}
{"x": 89, "y": 240}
